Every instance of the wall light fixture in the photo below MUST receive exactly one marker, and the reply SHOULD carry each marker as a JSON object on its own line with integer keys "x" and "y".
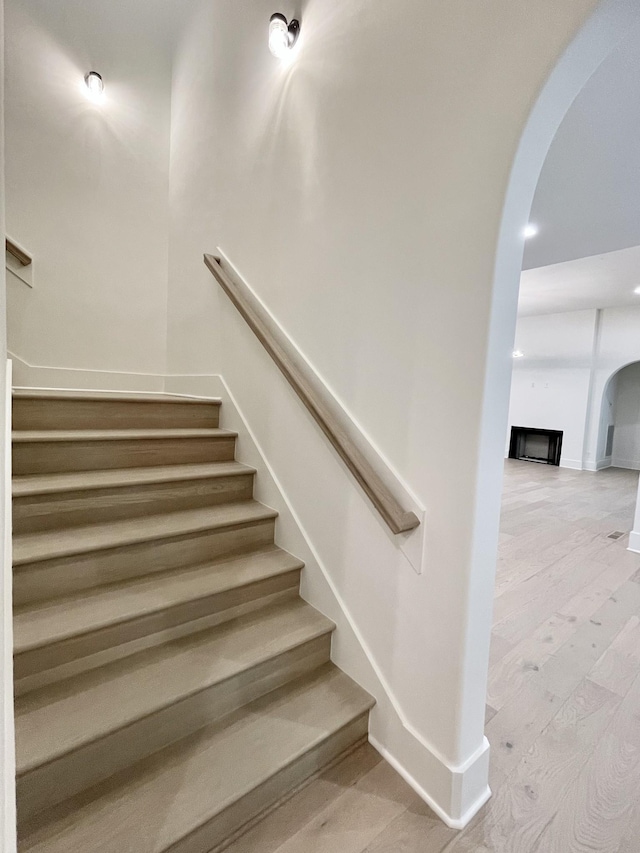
{"x": 517, "y": 353}
{"x": 94, "y": 84}
{"x": 282, "y": 34}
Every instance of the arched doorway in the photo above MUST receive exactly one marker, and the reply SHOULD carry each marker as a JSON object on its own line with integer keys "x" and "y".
{"x": 618, "y": 443}
{"x": 555, "y": 99}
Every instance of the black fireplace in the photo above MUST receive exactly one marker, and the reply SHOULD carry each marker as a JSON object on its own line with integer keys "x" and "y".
{"x": 536, "y": 445}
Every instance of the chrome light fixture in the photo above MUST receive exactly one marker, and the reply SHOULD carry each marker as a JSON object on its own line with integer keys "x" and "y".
{"x": 94, "y": 84}
{"x": 283, "y": 34}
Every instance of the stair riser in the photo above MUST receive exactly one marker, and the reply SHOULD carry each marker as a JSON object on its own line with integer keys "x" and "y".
{"x": 46, "y": 579}
{"x": 216, "y": 835}
{"x": 51, "y": 457}
{"x": 50, "y": 676}
{"x": 223, "y": 605}
{"x": 48, "y": 785}
{"x": 66, "y": 509}
{"x": 33, "y": 414}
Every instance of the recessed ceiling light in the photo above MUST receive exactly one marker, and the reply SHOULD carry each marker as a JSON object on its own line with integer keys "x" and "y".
{"x": 637, "y": 290}
{"x": 530, "y": 230}
{"x": 517, "y": 353}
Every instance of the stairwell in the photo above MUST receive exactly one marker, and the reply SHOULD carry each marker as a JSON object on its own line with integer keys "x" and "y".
{"x": 171, "y": 685}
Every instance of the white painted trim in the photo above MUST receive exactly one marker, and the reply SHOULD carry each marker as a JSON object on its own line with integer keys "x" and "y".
{"x": 7, "y": 747}
{"x": 23, "y": 274}
{"x": 455, "y": 823}
{"x": 106, "y": 395}
{"x": 575, "y": 464}
{"x": 41, "y": 376}
{"x": 634, "y": 541}
{"x": 600, "y": 465}
{"x": 631, "y": 464}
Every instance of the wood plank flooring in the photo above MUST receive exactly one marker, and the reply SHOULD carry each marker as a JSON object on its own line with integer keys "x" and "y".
{"x": 563, "y": 704}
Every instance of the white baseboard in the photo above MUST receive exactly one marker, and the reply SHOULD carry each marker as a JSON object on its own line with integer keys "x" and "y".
{"x": 634, "y": 541}
{"x": 598, "y": 465}
{"x": 575, "y": 464}
{"x": 631, "y": 464}
{"x": 465, "y": 798}
{"x": 39, "y": 376}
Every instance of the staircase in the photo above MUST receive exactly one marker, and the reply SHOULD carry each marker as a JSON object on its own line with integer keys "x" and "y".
{"x": 171, "y": 685}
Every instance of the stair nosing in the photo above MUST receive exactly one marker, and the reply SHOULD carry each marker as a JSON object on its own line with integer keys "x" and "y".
{"x": 139, "y": 536}
{"x": 295, "y": 566}
{"x": 25, "y": 485}
{"x": 152, "y": 771}
{"x": 324, "y": 626}
{"x": 71, "y": 436}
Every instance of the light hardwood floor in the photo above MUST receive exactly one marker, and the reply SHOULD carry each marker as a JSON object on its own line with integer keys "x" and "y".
{"x": 563, "y": 708}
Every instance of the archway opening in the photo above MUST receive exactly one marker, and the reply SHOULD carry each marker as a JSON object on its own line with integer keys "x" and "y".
{"x": 563, "y": 557}
{"x": 618, "y": 444}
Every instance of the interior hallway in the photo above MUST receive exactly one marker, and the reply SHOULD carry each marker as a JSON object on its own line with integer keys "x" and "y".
{"x": 563, "y": 712}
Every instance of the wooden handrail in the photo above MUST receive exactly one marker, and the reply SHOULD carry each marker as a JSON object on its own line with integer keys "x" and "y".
{"x": 319, "y": 401}
{"x": 19, "y": 254}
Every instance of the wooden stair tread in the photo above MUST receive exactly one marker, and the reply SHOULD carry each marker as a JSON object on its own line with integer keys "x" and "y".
{"x": 25, "y": 436}
{"x": 47, "y": 545}
{"x": 167, "y": 797}
{"x": 71, "y": 481}
{"x": 61, "y": 619}
{"x": 55, "y": 720}
{"x": 116, "y": 396}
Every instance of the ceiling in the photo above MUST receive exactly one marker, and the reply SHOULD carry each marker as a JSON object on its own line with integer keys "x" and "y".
{"x": 600, "y": 281}
{"x": 588, "y": 197}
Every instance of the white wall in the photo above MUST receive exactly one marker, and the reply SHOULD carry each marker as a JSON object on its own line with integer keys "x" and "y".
{"x": 568, "y": 380}
{"x": 550, "y": 385}
{"x": 7, "y": 748}
{"x": 360, "y": 190}
{"x": 87, "y": 184}
{"x": 626, "y": 436}
{"x": 618, "y": 346}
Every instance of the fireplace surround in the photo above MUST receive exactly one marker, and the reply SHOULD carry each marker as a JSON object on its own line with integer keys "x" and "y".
{"x": 536, "y": 445}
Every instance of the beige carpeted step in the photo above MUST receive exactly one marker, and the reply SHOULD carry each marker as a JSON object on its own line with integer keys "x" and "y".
{"x": 47, "y": 410}
{"x": 193, "y": 795}
{"x": 49, "y": 501}
{"x": 51, "y": 451}
{"x": 54, "y": 564}
{"x": 56, "y": 638}
{"x": 76, "y": 733}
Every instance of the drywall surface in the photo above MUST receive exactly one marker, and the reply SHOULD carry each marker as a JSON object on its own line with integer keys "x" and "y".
{"x": 634, "y": 536}
{"x": 550, "y": 384}
{"x": 87, "y": 184}
{"x": 626, "y": 437}
{"x": 570, "y": 378}
{"x": 618, "y": 346}
{"x": 342, "y": 184}
{"x": 588, "y": 197}
{"x": 7, "y": 734}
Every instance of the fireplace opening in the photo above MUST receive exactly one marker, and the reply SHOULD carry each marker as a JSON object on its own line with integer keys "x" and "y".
{"x": 536, "y": 445}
